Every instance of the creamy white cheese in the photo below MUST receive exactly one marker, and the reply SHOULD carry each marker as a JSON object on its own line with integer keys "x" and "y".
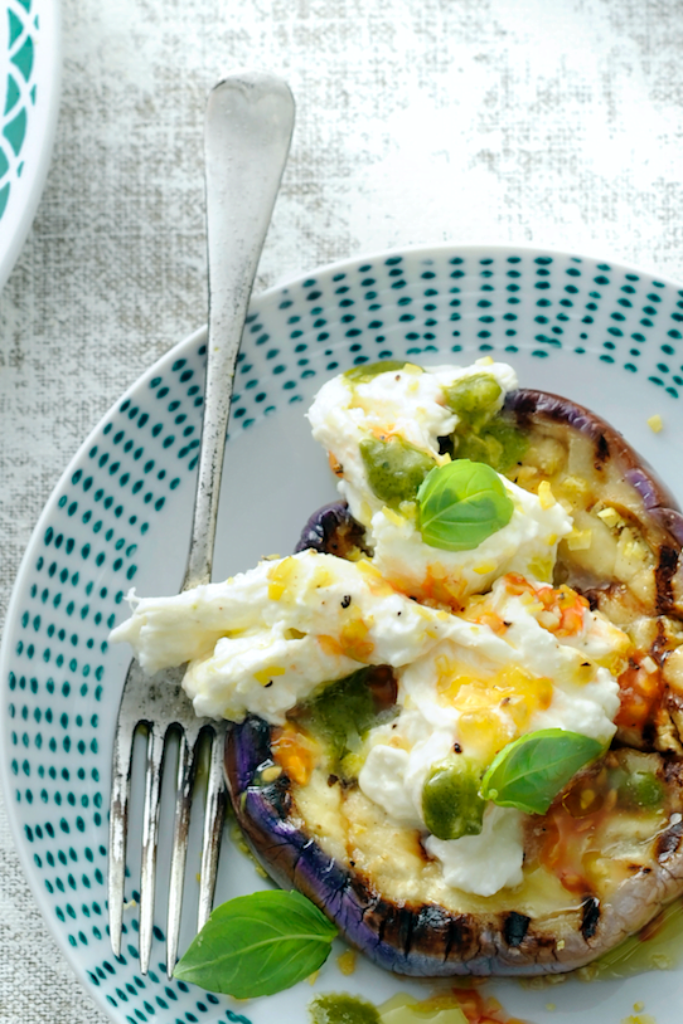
{"x": 267, "y": 638}
{"x": 409, "y": 403}
{"x": 383, "y": 779}
{"x": 479, "y": 698}
{"x": 486, "y": 863}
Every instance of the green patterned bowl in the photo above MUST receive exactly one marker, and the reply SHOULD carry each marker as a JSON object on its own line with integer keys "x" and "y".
{"x": 29, "y": 101}
{"x": 605, "y": 335}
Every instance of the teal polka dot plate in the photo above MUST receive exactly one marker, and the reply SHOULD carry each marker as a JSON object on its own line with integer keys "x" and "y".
{"x": 29, "y": 100}
{"x": 602, "y": 334}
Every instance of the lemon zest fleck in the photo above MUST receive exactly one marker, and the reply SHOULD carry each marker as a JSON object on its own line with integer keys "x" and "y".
{"x": 485, "y": 568}
{"x": 264, "y": 675}
{"x": 545, "y": 495}
{"x": 346, "y": 962}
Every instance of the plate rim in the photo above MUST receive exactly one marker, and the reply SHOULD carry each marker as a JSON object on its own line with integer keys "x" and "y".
{"x": 190, "y": 340}
{"x": 616, "y": 261}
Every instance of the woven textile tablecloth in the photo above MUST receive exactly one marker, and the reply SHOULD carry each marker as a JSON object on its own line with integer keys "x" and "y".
{"x": 559, "y": 124}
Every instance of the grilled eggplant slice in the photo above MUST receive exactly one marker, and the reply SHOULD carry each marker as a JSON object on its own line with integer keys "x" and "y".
{"x": 592, "y": 467}
{"x": 624, "y": 554}
{"x": 378, "y": 891}
{"x": 608, "y": 854}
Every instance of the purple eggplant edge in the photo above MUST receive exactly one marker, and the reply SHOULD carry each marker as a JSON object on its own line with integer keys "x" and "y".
{"x": 321, "y": 525}
{"x": 427, "y": 940}
{"x": 300, "y": 861}
{"x": 332, "y": 530}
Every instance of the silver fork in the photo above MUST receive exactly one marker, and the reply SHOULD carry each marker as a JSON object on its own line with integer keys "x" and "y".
{"x": 247, "y": 132}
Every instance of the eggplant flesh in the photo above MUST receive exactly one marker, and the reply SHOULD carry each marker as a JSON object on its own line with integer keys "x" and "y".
{"x": 614, "y": 475}
{"x": 638, "y": 586}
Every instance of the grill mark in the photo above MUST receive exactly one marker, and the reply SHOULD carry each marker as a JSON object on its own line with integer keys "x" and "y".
{"x": 524, "y": 407}
{"x": 407, "y": 924}
{"x": 590, "y": 916}
{"x": 279, "y": 796}
{"x": 396, "y": 927}
{"x": 666, "y": 567}
{"x": 460, "y": 937}
{"x": 672, "y": 770}
{"x": 659, "y": 649}
{"x": 602, "y": 452}
{"x": 429, "y": 930}
{"x": 380, "y": 915}
{"x": 515, "y": 928}
{"x": 668, "y": 842}
{"x": 431, "y": 934}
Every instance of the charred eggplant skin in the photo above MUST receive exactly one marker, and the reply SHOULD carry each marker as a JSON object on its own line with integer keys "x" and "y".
{"x": 421, "y": 941}
{"x": 427, "y": 940}
{"x": 332, "y": 530}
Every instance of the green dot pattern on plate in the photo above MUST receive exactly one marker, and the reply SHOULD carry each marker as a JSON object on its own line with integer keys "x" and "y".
{"x": 61, "y": 680}
{"x": 17, "y": 91}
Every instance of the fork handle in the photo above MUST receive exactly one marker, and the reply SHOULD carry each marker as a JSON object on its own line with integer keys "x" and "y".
{"x": 248, "y": 129}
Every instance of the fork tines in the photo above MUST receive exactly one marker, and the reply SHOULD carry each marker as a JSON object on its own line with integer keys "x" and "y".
{"x": 159, "y": 704}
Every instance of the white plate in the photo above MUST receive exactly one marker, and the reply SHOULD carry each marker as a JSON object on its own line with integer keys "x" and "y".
{"x": 605, "y": 335}
{"x": 29, "y": 101}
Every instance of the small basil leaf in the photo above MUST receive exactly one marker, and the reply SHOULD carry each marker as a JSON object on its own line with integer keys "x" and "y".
{"x": 257, "y": 945}
{"x": 461, "y": 504}
{"x": 395, "y": 468}
{"x": 530, "y": 772}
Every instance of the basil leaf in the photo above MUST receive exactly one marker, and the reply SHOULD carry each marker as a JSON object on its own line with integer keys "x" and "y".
{"x": 531, "y": 771}
{"x": 257, "y": 945}
{"x": 461, "y": 504}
